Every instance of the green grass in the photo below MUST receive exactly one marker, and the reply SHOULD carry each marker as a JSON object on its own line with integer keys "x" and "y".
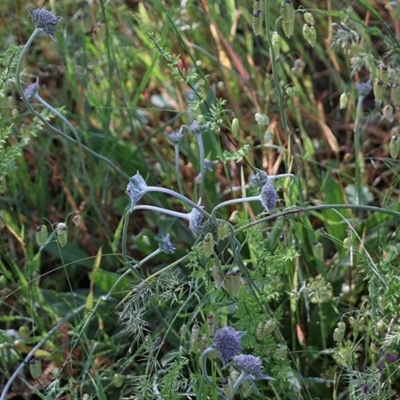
{"x": 313, "y": 283}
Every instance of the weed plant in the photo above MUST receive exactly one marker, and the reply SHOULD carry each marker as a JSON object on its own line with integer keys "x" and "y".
{"x": 199, "y": 200}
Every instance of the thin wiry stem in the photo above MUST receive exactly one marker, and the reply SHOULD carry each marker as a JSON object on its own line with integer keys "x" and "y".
{"x": 81, "y": 157}
{"x": 40, "y": 117}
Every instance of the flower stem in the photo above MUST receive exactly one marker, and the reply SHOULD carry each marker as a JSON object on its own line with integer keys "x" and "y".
{"x": 42, "y": 119}
{"x": 177, "y": 171}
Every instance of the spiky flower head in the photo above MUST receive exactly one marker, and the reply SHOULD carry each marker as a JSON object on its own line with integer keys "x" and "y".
{"x": 175, "y": 136}
{"x": 32, "y": 90}
{"x": 165, "y": 244}
{"x": 227, "y": 343}
{"x": 136, "y": 188}
{"x": 251, "y": 365}
{"x": 260, "y": 178}
{"x": 45, "y": 20}
{"x": 197, "y": 129}
{"x": 268, "y": 196}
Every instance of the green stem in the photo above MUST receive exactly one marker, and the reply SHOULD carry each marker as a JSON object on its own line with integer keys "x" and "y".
{"x": 42, "y": 119}
{"x": 29, "y": 356}
{"x": 81, "y": 157}
{"x": 358, "y": 160}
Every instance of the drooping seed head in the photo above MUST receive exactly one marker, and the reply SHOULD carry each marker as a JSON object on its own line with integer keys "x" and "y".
{"x": 136, "y": 189}
{"x": 268, "y": 196}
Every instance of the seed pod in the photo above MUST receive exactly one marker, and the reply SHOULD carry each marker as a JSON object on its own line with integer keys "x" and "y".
{"x": 383, "y": 74}
{"x": 195, "y": 333}
{"x": 318, "y": 250}
{"x": 375, "y": 347}
{"x": 208, "y": 244}
{"x": 118, "y": 380}
{"x": 227, "y": 388}
{"x": 233, "y": 282}
{"x": 343, "y": 100}
{"x": 394, "y": 147}
{"x": 211, "y": 325}
{"x": 395, "y": 95}
{"x": 310, "y": 34}
{"x": 223, "y": 230}
{"x": 76, "y": 220}
{"x": 245, "y": 389}
{"x": 217, "y": 275}
{"x": 257, "y": 22}
{"x": 338, "y": 333}
{"x": 41, "y": 235}
{"x": 282, "y": 240}
{"x": 378, "y": 90}
{"x": 264, "y": 329}
{"x": 35, "y": 368}
{"x": 281, "y": 352}
{"x": 62, "y": 234}
{"x": 287, "y": 13}
{"x": 276, "y": 44}
{"x": 256, "y": 5}
{"x": 387, "y": 113}
{"x": 235, "y": 127}
{"x": 348, "y": 243}
{"x": 309, "y": 18}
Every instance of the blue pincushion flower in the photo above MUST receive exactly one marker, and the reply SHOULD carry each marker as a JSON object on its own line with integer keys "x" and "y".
{"x": 268, "y": 196}
{"x": 250, "y": 365}
{"x": 45, "y": 20}
{"x": 227, "y": 343}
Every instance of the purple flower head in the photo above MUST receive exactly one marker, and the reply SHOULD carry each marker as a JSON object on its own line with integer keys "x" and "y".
{"x": 392, "y": 357}
{"x": 227, "y": 343}
{"x": 250, "y": 364}
{"x": 268, "y": 196}
{"x": 196, "y": 129}
{"x": 363, "y": 89}
{"x": 32, "y": 90}
{"x": 259, "y": 179}
{"x": 165, "y": 244}
{"x": 176, "y": 136}
{"x": 45, "y": 20}
{"x": 136, "y": 188}
{"x": 195, "y": 220}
